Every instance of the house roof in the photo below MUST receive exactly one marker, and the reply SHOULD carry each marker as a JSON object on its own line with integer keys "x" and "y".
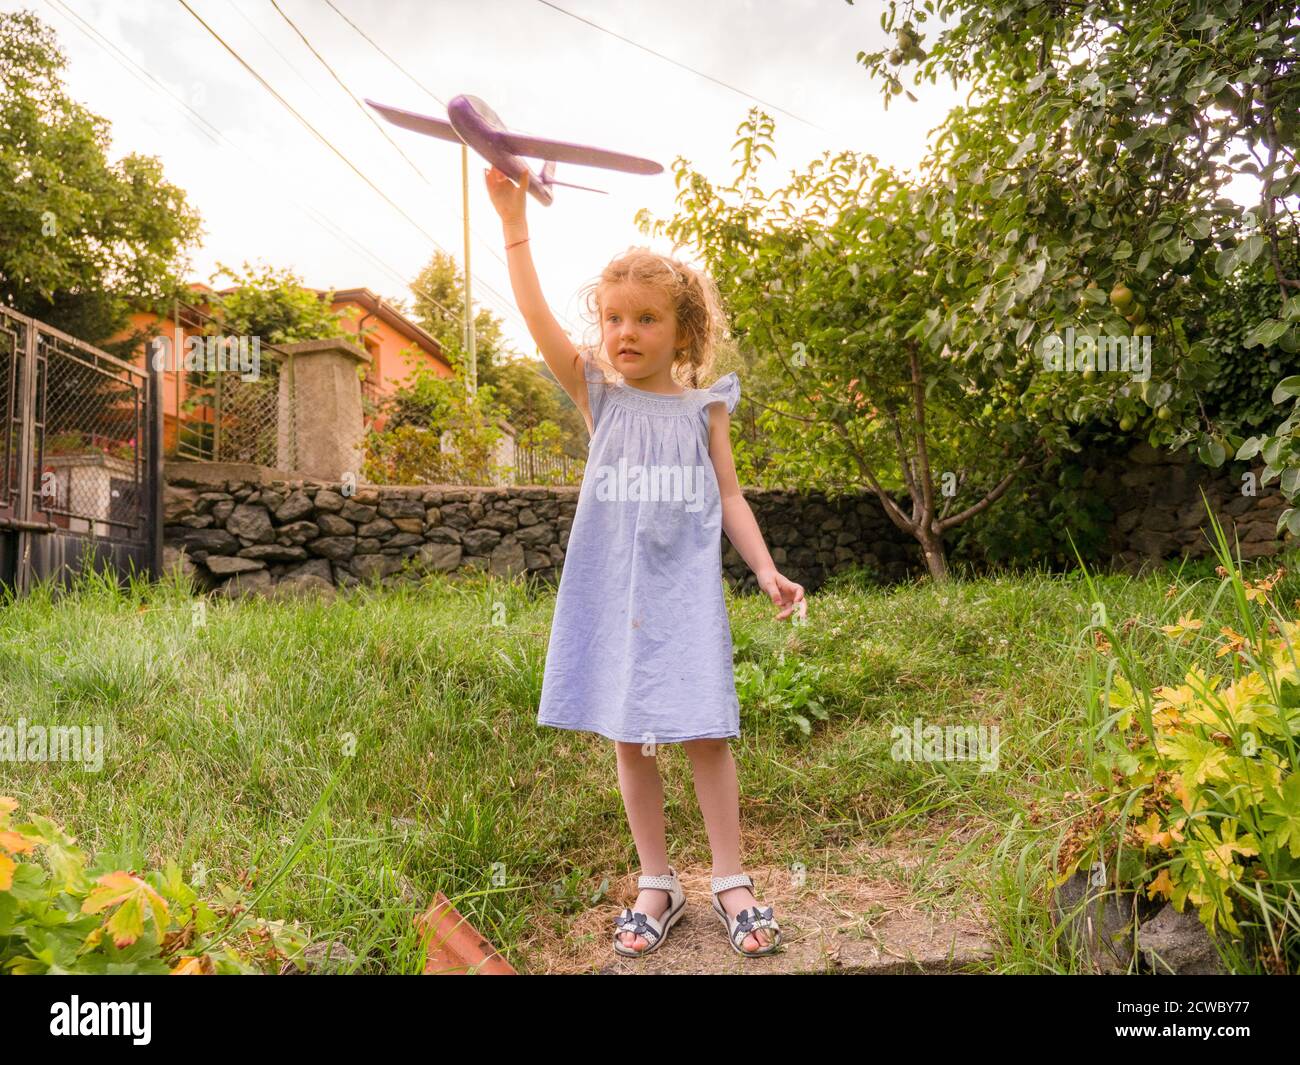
{"x": 373, "y": 303}
{"x": 389, "y": 314}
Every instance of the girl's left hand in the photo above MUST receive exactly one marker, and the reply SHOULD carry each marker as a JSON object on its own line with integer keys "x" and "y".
{"x": 785, "y": 593}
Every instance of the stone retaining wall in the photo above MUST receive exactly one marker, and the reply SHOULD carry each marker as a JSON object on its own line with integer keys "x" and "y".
{"x": 246, "y": 528}
{"x": 241, "y": 529}
{"x": 1155, "y": 496}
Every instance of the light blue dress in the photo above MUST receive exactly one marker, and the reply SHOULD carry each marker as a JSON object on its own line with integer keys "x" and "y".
{"x": 640, "y": 646}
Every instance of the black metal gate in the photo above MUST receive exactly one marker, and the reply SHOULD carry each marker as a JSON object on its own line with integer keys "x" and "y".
{"x": 80, "y": 458}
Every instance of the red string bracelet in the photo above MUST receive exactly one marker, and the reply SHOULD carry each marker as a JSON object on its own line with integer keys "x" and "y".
{"x": 524, "y": 241}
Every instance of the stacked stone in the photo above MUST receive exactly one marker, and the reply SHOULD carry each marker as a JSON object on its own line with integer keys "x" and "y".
{"x": 295, "y": 536}
{"x": 811, "y": 537}
{"x": 290, "y": 536}
{"x": 1156, "y": 498}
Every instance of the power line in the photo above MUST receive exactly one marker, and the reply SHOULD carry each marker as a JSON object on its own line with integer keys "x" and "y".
{"x": 360, "y": 106}
{"x": 216, "y": 135}
{"x": 489, "y": 245}
{"x": 504, "y": 305}
{"x": 314, "y": 131}
{"x": 409, "y": 76}
{"x": 198, "y": 119}
{"x": 674, "y": 62}
{"x": 413, "y": 79}
{"x": 289, "y": 64}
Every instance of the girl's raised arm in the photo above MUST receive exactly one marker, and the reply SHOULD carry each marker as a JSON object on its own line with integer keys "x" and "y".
{"x": 556, "y": 348}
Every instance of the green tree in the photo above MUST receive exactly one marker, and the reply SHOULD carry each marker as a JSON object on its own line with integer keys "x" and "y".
{"x": 1106, "y": 142}
{"x": 436, "y": 434}
{"x": 840, "y": 297}
{"x": 524, "y": 388}
{"x": 276, "y": 305}
{"x": 532, "y": 397}
{"x": 439, "y": 307}
{"x": 82, "y": 239}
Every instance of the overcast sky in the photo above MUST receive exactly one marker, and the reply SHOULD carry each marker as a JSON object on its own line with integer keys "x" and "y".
{"x": 277, "y": 194}
{"x": 281, "y": 197}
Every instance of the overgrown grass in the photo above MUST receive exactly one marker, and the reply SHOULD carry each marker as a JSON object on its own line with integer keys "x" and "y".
{"x": 420, "y": 701}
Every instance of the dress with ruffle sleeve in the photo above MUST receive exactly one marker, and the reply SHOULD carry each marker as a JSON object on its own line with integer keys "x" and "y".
{"x": 640, "y": 647}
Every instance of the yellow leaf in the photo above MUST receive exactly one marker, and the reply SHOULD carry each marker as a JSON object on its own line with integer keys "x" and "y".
{"x": 134, "y": 894}
{"x": 1184, "y": 624}
{"x": 1150, "y": 832}
{"x": 1161, "y": 885}
{"x": 16, "y": 842}
{"x": 196, "y": 966}
{"x": 127, "y": 923}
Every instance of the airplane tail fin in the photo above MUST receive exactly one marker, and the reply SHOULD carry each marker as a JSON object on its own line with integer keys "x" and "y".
{"x": 548, "y": 179}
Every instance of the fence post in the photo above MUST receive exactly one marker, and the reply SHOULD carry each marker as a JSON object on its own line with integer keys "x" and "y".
{"x": 320, "y": 402}
{"x": 153, "y": 511}
{"x": 26, "y": 450}
{"x": 216, "y": 422}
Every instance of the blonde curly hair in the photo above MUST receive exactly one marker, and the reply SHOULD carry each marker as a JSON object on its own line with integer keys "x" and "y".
{"x": 692, "y": 295}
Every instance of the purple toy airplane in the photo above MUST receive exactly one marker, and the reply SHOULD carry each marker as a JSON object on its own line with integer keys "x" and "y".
{"x": 470, "y": 121}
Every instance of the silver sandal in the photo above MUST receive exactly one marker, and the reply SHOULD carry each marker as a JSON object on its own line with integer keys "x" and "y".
{"x": 747, "y": 921}
{"x": 654, "y": 930}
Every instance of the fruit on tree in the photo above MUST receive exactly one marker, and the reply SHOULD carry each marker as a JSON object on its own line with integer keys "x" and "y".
{"x": 1121, "y": 296}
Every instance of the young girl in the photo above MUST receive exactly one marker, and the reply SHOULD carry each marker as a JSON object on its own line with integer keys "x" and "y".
{"x": 640, "y": 649}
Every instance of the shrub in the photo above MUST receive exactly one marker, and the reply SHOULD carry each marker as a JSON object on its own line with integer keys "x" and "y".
{"x": 61, "y": 916}
{"x": 1199, "y": 800}
{"x": 782, "y": 693}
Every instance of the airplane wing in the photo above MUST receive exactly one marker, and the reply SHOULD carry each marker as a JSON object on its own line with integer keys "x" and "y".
{"x": 426, "y": 124}
{"x": 581, "y": 154}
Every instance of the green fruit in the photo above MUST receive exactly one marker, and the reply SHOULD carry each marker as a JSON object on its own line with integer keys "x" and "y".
{"x": 1146, "y": 329}
{"x": 895, "y": 57}
{"x": 1164, "y": 413}
{"x": 1120, "y": 297}
{"x": 1127, "y": 422}
{"x": 1137, "y": 314}
{"x": 1107, "y": 148}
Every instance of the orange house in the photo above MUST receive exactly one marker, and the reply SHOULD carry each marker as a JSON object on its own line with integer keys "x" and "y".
{"x": 396, "y": 345}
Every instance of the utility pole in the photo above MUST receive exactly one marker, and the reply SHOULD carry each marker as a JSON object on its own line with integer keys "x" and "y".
{"x": 470, "y": 346}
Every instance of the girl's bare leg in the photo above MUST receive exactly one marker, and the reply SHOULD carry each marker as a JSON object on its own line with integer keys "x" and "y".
{"x": 643, "y": 799}
{"x": 719, "y": 796}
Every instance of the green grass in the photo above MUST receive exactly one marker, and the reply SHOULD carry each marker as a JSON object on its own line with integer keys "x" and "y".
{"x": 420, "y": 703}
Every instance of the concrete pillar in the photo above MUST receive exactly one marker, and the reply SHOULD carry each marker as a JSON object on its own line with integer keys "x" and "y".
{"x": 320, "y": 401}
